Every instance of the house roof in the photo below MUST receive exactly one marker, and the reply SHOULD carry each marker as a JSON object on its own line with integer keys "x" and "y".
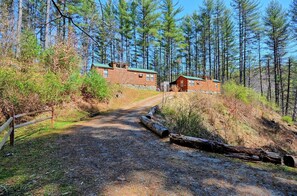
{"x": 102, "y": 65}
{"x": 129, "y": 69}
{"x": 141, "y": 70}
{"x": 191, "y": 77}
{"x": 217, "y": 81}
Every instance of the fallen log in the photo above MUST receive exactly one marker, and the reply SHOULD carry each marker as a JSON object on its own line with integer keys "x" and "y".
{"x": 155, "y": 127}
{"x": 244, "y": 156}
{"x": 290, "y": 160}
{"x": 217, "y": 147}
{"x": 152, "y": 111}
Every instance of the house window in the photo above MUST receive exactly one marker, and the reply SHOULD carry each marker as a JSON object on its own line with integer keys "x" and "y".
{"x": 216, "y": 85}
{"x": 152, "y": 77}
{"x": 105, "y": 73}
{"x": 181, "y": 83}
{"x": 147, "y": 77}
{"x": 191, "y": 83}
{"x": 140, "y": 75}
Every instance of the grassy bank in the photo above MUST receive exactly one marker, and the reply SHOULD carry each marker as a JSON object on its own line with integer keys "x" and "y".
{"x": 239, "y": 116}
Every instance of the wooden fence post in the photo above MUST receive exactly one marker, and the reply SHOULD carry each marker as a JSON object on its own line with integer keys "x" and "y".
{"x": 52, "y": 119}
{"x": 13, "y": 128}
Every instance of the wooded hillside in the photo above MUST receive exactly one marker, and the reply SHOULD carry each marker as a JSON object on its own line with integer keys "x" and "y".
{"x": 218, "y": 40}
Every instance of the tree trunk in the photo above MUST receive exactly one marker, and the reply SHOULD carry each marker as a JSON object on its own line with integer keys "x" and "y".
{"x": 212, "y": 146}
{"x": 290, "y": 160}
{"x": 269, "y": 81}
{"x": 295, "y": 107}
{"x": 260, "y": 66}
{"x": 47, "y": 26}
{"x": 157, "y": 128}
{"x": 19, "y": 28}
{"x": 152, "y": 112}
{"x": 288, "y": 87}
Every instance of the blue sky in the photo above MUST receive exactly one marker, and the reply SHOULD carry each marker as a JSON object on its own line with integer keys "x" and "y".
{"x": 191, "y": 5}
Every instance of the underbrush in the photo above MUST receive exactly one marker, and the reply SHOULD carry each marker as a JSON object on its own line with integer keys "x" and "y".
{"x": 33, "y": 90}
{"x": 40, "y": 78}
{"x": 239, "y": 116}
{"x": 246, "y": 95}
{"x": 184, "y": 116}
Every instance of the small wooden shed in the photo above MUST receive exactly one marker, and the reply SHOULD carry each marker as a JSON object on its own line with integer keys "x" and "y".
{"x": 192, "y": 84}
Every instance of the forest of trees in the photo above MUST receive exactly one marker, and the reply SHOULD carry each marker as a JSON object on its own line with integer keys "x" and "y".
{"x": 238, "y": 42}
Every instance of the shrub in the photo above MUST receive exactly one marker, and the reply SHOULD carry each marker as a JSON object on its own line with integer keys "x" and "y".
{"x": 95, "y": 86}
{"x": 185, "y": 118}
{"x": 62, "y": 58}
{"x": 74, "y": 84}
{"x": 51, "y": 89}
{"x": 30, "y": 49}
{"x": 244, "y": 94}
{"x": 288, "y": 119}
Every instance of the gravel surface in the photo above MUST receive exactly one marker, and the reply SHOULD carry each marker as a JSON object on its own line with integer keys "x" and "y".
{"x": 114, "y": 154}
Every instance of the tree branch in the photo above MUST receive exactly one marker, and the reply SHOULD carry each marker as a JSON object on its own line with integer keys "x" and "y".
{"x": 71, "y": 20}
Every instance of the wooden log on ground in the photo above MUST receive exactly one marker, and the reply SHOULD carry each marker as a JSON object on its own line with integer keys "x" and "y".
{"x": 157, "y": 128}
{"x": 244, "y": 156}
{"x": 152, "y": 111}
{"x": 217, "y": 147}
{"x": 290, "y": 160}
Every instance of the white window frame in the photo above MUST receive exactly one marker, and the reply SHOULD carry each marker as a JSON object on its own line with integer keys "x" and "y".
{"x": 105, "y": 73}
{"x": 152, "y": 77}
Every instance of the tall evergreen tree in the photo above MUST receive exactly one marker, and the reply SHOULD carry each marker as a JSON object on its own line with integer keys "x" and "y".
{"x": 170, "y": 32}
{"x": 276, "y": 28}
{"x": 148, "y": 27}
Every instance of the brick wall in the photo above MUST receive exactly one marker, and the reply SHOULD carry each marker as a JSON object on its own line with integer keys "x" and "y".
{"x": 124, "y": 76}
{"x": 199, "y": 85}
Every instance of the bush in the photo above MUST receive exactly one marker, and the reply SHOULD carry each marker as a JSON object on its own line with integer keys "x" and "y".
{"x": 185, "y": 117}
{"x": 95, "y": 86}
{"x": 244, "y": 94}
{"x": 51, "y": 89}
{"x": 61, "y": 58}
{"x": 30, "y": 49}
{"x": 74, "y": 84}
{"x": 288, "y": 119}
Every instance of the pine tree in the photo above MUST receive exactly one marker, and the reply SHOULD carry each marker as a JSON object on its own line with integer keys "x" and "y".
{"x": 228, "y": 43}
{"x": 170, "y": 32}
{"x": 125, "y": 30}
{"x": 207, "y": 12}
{"x": 188, "y": 34}
{"x": 247, "y": 16}
{"x": 148, "y": 27}
{"x": 276, "y": 28}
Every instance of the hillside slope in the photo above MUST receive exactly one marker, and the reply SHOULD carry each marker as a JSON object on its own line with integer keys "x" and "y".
{"x": 230, "y": 120}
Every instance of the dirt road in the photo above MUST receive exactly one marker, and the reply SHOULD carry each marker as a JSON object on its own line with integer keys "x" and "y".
{"x": 114, "y": 154}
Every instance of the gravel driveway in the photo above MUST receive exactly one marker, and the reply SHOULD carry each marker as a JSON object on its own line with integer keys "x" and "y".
{"x": 114, "y": 154}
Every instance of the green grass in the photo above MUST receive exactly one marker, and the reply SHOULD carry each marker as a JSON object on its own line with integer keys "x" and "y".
{"x": 279, "y": 170}
{"x": 32, "y": 165}
{"x": 288, "y": 119}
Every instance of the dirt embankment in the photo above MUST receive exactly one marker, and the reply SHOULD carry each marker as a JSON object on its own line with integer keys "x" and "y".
{"x": 231, "y": 121}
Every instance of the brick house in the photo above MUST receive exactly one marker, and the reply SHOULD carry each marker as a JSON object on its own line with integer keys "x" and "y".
{"x": 192, "y": 84}
{"x": 121, "y": 73}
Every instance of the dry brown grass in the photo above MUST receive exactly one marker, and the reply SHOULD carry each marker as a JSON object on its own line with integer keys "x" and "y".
{"x": 126, "y": 96}
{"x": 238, "y": 123}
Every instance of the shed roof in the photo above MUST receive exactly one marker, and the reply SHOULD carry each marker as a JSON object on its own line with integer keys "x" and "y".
{"x": 101, "y": 65}
{"x": 129, "y": 69}
{"x": 192, "y": 77}
{"x": 141, "y": 70}
{"x": 217, "y": 81}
